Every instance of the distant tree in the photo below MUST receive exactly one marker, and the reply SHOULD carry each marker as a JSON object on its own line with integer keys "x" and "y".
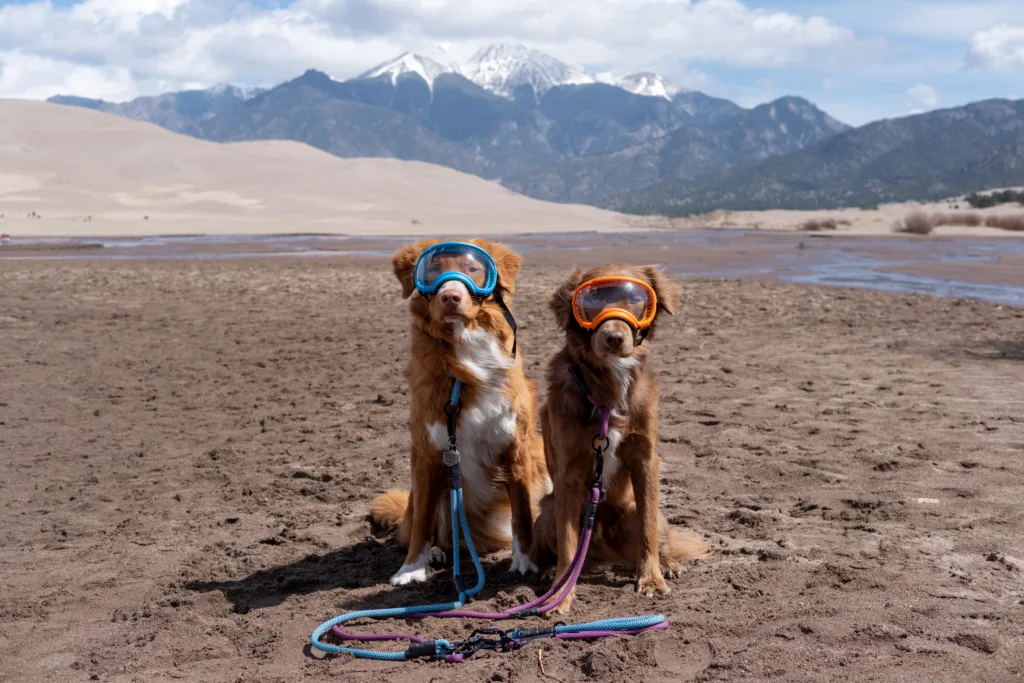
{"x": 985, "y": 201}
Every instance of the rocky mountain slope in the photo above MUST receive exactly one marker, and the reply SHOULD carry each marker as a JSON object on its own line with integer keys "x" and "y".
{"x": 772, "y": 129}
{"x": 926, "y": 156}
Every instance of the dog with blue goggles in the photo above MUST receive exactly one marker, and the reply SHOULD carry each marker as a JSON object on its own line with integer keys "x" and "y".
{"x": 462, "y": 262}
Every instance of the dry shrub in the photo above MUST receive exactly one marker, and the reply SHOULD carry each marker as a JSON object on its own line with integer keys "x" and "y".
{"x": 815, "y": 225}
{"x": 915, "y": 223}
{"x": 1014, "y": 223}
{"x": 971, "y": 220}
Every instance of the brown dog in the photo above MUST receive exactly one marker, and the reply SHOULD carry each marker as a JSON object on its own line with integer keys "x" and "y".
{"x": 629, "y": 529}
{"x": 455, "y": 335}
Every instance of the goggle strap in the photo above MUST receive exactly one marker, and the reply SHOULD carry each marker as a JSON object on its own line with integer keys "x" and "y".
{"x": 508, "y": 318}
{"x": 641, "y": 334}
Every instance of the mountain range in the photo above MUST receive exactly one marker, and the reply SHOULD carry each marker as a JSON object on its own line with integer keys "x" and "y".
{"x": 633, "y": 142}
{"x": 926, "y": 157}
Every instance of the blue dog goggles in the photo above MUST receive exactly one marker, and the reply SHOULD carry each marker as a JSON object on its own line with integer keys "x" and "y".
{"x": 462, "y": 261}
{"x": 467, "y": 263}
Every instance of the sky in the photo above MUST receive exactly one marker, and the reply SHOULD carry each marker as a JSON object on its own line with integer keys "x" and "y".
{"x": 859, "y": 60}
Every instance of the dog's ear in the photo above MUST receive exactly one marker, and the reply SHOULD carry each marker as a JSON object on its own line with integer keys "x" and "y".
{"x": 560, "y": 300}
{"x": 507, "y": 262}
{"x": 403, "y": 262}
{"x": 667, "y": 291}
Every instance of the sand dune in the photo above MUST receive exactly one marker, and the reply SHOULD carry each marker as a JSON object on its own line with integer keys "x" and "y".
{"x": 89, "y": 173}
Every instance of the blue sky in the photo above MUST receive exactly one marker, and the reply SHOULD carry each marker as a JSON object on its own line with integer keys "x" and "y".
{"x": 858, "y": 60}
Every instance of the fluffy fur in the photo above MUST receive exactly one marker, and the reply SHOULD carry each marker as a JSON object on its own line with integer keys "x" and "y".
{"x": 629, "y": 530}
{"x": 502, "y": 459}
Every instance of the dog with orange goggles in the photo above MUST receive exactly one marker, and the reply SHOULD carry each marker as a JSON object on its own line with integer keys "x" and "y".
{"x": 629, "y": 299}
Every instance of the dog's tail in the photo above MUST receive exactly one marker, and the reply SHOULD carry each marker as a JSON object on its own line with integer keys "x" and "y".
{"x": 682, "y": 546}
{"x": 388, "y": 511}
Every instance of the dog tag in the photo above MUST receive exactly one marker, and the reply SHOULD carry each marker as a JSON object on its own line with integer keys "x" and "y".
{"x": 450, "y": 457}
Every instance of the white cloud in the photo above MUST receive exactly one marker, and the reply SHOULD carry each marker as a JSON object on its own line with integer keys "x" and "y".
{"x": 921, "y": 97}
{"x": 127, "y": 47}
{"x": 35, "y": 77}
{"x": 949, "y": 20}
{"x": 1000, "y": 48}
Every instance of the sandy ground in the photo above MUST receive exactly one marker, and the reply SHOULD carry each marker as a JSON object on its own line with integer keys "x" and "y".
{"x": 189, "y": 449}
{"x": 852, "y": 221}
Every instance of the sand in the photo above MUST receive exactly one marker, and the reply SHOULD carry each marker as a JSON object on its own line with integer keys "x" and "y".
{"x": 87, "y": 173}
{"x": 189, "y": 449}
{"x": 863, "y": 222}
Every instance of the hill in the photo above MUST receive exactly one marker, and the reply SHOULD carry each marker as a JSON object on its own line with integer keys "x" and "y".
{"x": 70, "y": 164}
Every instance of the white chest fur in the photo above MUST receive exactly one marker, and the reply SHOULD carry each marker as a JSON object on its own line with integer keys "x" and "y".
{"x": 487, "y": 426}
{"x": 621, "y": 370}
{"x": 611, "y": 458}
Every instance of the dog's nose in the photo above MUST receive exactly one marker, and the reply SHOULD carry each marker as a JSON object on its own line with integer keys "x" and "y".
{"x": 615, "y": 340}
{"x": 450, "y": 298}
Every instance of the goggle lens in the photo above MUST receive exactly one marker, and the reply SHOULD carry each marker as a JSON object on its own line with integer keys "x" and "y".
{"x": 593, "y": 299}
{"x": 467, "y": 260}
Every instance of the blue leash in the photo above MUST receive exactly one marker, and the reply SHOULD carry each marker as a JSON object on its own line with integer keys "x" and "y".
{"x": 458, "y": 512}
{"x": 456, "y": 652}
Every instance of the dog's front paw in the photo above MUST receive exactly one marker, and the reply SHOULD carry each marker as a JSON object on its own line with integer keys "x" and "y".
{"x": 562, "y": 608}
{"x": 416, "y": 572}
{"x": 409, "y": 573}
{"x": 650, "y": 585}
{"x": 521, "y": 561}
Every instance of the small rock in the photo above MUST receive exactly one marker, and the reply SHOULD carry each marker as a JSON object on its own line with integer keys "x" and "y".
{"x": 988, "y": 644}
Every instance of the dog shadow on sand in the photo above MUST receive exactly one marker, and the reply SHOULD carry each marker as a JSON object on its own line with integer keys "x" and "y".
{"x": 369, "y": 564}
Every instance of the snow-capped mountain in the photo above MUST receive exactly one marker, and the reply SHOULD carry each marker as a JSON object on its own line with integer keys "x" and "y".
{"x": 427, "y": 68}
{"x": 503, "y": 67}
{"x": 642, "y": 83}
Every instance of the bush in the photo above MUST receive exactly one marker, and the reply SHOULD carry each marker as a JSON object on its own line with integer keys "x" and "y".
{"x": 815, "y": 225}
{"x": 971, "y": 220}
{"x": 916, "y": 223}
{"x": 1014, "y": 223}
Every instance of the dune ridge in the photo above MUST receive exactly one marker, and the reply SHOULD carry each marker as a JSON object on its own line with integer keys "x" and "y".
{"x": 90, "y": 173}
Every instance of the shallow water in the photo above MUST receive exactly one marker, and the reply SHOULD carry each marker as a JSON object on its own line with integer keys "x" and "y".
{"x": 828, "y": 260}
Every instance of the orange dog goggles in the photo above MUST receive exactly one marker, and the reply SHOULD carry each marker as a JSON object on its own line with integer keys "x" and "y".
{"x": 626, "y": 298}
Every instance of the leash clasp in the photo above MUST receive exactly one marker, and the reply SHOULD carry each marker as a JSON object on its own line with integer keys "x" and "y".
{"x": 450, "y": 457}
{"x": 476, "y": 642}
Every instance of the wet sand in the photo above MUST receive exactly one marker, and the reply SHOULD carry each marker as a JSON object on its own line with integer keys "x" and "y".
{"x": 189, "y": 447}
{"x": 984, "y": 268}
